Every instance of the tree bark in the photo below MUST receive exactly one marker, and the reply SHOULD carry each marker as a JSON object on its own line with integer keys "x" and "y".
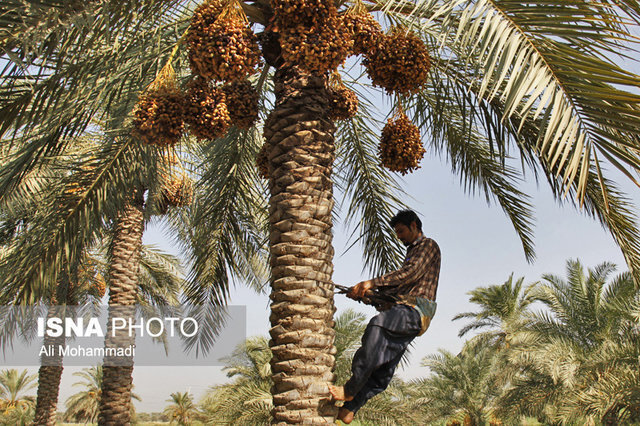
{"x": 123, "y": 285}
{"x": 49, "y": 375}
{"x": 47, "y": 398}
{"x": 300, "y": 160}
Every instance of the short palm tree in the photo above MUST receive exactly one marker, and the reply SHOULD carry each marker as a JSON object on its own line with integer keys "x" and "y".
{"x": 83, "y": 406}
{"x": 538, "y": 80}
{"x": 460, "y": 386}
{"x": 13, "y": 385}
{"x": 247, "y": 400}
{"x": 182, "y": 410}
{"x": 350, "y": 326}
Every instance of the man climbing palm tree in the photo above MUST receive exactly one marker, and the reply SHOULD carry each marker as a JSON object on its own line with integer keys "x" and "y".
{"x": 389, "y": 333}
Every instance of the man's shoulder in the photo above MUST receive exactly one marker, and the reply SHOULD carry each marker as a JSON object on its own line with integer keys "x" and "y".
{"x": 426, "y": 241}
{"x": 428, "y": 244}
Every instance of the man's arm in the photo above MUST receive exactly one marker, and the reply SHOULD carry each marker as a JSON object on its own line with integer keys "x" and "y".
{"x": 410, "y": 271}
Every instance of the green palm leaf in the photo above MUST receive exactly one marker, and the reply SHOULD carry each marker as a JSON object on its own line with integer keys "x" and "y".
{"x": 371, "y": 193}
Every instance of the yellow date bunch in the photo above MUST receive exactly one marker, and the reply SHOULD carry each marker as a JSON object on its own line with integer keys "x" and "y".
{"x": 344, "y": 102}
{"x": 242, "y": 103}
{"x": 222, "y": 46}
{"x": 98, "y": 287}
{"x": 312, "y": 34}
{"x": 400, "y": 62}
{"x": 206, "y": 113}
{"x": 262, "y": 162}
{"x": 158, "y": 117}
{"x": 400, "y": 148}
{"x": 365, "y": 31}
{"x": 178, "y": 191}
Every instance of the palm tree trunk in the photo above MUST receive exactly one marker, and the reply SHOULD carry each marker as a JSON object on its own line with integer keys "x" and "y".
{"x": 49, "y": 376}
{"x": 301, "y": 154}
{"x": 123, "y": 285}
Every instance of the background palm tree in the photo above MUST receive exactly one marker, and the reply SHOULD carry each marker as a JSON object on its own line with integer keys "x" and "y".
{"x": 460, "y": 386}
{"x": 15, "y": 407}
{"x": 77, "y": 284}
{"x": 83, "y": 406}
{"x": 182, "y": 410}
{"x": 503, "y": 310}
{"x": 158, "y": 286}
{"x": 117, "y": 382}
{"x": 22, "y": 415}
{"x": 586, "y": 341}
{"x": 538, "y": 81}
{"x": 246, "y": 400}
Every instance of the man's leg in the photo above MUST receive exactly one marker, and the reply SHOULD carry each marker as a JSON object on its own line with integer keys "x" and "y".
{"x": 378, "y": 382}
{"x": 369, "y": 356}
{"x": 376, "y": 350}
{"x": 384, "y": 342}
{"x": 386, "y": 337}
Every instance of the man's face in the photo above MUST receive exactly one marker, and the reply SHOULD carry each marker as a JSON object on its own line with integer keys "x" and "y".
{"x": 407, "y": 234}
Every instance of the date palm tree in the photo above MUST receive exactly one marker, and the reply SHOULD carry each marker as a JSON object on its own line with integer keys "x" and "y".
{"x": 460, "y": 386}
{"x": 536, "y": 80}
{"x": 182, "y": 410}
{"x": 15, "y": 407}
{"x": 83, "y": 406}
{"x": 502, "y": 312}
{"x": 12, "y": 386}
{"x": 584, "y": 345}
{"x": 158, "y": 281}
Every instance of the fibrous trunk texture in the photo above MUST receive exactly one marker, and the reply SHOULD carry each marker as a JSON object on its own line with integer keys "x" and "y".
{"x": 300, "y": 159}
{"x": 49, "y": 375}
{"x": 47, "y": 399}
{"x": 123, "y": 285}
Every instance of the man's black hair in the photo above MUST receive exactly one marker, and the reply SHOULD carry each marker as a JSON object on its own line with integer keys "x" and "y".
{"x": 406, "y": 217}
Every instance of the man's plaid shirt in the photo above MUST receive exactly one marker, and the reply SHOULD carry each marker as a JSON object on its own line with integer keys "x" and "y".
{"x": 418, "y": 275}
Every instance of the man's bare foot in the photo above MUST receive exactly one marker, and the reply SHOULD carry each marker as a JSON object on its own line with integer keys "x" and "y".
{"x": 337, "y": 392}
{"x": 345, "y": 416}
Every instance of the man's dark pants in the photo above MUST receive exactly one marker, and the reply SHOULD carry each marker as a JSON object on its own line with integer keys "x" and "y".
{"x": 384, "y": 341}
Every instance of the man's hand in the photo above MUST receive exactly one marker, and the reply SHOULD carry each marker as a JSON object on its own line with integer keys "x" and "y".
{"x": 359, "y": 290}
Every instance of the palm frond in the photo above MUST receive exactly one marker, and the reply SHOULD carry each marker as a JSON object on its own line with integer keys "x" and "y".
{"x": 371, "y": 192}
{"x": 160, "y": 277}
{"x": 448, "y": 111}
{"x": 542, "y": 78}
{"x": 503, "y": 308}
{"x": 224, "y": 231}
{"x": 91, "y": 80}
{"x": 389, "y": 408}
{"x": 349, "y": 328}
{"x": 527, "y": 57}
{"x": 71, "y": 221}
